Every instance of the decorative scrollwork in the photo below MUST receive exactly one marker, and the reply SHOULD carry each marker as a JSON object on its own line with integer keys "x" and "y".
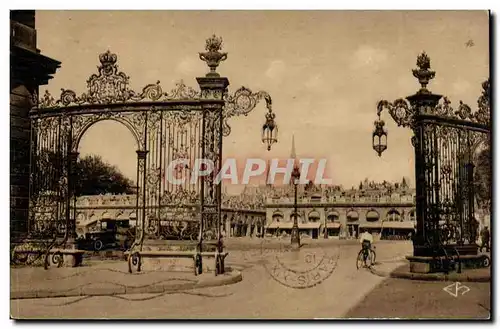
{"x": 400, "y": 110}
{"x": 134, "y": 262}
{"x": 464, "y": 111}
{"x": 182, "y": 92}
{"x": 242, "y": 102}
{"x": 57, "y": 258}
{"x": 152, "y": 228}
{"x": 133, "y": 121}
{"x": 449, "y": 233}
{"x": 29, "y": 253}
{"x": 153, "y": 178}
{"x": 483, "y": 114}
{"x": 110, "y": 86}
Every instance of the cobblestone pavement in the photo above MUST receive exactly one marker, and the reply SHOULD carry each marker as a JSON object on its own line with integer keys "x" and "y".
{"x": 399, "y": 298}
{"x": 261, "y": 294}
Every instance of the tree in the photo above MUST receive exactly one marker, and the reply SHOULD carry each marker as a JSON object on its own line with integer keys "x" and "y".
{"x": 482, "y": 178}
{"x": 93, "y": 176}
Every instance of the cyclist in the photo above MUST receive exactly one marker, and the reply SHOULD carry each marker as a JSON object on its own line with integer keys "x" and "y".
{"x": 366, "y": 240}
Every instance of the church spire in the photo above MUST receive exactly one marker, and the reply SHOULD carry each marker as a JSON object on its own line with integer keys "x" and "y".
{"x": 292, "y": 154}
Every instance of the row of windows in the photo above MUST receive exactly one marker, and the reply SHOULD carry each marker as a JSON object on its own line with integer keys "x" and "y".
{"x": 371, "y": 217}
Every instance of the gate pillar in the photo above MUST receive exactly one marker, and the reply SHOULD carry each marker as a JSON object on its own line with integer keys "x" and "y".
{"x": 212, "y": 99}
{"x": 444, "y": 141}
{"x": 427, "y": 222}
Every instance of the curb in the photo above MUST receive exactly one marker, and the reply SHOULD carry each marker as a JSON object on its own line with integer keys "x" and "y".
{"x": 457, "y": 277}
{"x": 111, "y": 289}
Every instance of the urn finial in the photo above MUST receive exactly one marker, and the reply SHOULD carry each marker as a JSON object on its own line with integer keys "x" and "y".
{"x": 423, "y": 73}
{"x": 213, "y": 56}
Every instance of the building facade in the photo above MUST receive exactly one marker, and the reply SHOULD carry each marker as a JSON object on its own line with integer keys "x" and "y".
{"x": 28, "y": 70}
{"x": 383, "y": 209}
{"x": 239, "y": 218}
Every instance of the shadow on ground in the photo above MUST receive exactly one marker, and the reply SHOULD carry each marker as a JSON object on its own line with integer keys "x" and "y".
{"x": 400, "y": 298}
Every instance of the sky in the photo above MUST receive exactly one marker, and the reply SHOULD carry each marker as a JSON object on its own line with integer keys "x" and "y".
{"x": 325, "y": 71}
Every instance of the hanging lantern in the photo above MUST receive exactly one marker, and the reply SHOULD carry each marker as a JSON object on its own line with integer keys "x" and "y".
{"x": 270, "y": 130}
{"x": 379, "y": 137}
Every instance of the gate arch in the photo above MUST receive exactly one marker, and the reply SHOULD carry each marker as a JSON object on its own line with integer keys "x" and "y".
{"x": 123, "y": 121}
{"x": 181, "y": 123}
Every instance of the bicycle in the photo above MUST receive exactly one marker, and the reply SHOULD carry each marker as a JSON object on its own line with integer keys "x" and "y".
{"x": 365, "y": 256}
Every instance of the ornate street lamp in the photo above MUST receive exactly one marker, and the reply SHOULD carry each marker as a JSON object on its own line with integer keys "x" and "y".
{"x": 379, "y": 137}
{"x": 270, "y": 129}
{"x": 295, "y": 238}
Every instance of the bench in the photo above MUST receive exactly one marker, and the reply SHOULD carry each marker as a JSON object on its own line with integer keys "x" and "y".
{"x": 176, "y": 260}
{"x": 59, "y": 257}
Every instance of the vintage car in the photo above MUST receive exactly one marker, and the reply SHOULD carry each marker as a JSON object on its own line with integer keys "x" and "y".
{"x": 106, "y": 234}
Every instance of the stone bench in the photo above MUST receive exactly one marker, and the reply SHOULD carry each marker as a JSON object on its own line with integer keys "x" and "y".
{"x": 57, "y": 257}
{"x": 176, "y": 261}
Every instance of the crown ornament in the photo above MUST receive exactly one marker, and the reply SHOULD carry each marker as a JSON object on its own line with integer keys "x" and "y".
{"x": 213, "y": 56}
{"x": 108, "y": 63}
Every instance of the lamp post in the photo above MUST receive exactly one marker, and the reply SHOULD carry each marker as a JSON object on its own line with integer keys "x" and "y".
{"x": 295, "y": 238}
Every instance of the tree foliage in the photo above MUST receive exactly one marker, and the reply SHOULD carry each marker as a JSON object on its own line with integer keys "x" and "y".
{"x": 93, "y": 176}
{"x": 482, "y": 178}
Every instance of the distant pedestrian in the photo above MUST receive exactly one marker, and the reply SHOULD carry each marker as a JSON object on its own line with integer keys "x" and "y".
{"x": 485, "y": 239}
{"x": 475, "y": 229}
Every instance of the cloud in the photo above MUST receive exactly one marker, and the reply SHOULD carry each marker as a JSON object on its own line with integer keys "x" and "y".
{"x": 189, "y": 66}
{"x": 368, "y": 56}
{"x": 276, "y": 69}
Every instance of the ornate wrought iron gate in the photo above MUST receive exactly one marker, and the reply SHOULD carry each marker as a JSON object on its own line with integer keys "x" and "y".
{"x": 446, "y": 144}
{"x": 167, "y": 126}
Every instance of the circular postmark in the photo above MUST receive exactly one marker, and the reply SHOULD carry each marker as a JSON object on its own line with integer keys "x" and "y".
{"x": 298, "y": 269}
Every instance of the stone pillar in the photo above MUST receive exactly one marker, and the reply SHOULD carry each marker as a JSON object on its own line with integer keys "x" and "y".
{"x": 420, "y": 103}
{"x": 28, "y": 70}
{"x": 20, "y": 105}
{"x": 212, "y": 99}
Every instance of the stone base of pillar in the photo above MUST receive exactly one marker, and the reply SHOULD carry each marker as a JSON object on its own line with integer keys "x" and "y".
{"x": 450, "y": 250}
{"x": 420, "y": 264}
